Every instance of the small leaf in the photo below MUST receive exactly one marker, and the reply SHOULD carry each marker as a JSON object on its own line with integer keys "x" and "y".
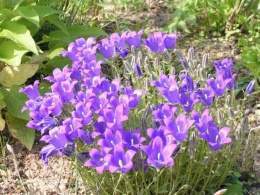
{"x": 17, "y": 75}
{"x": 18, "y": 129}
{"x": 14, "y": 102}
{"x": 11, "y": 53}
{"x": 19, "y": 34}
{"x": 55, "y": 53}
{"x": 29, "y": 13}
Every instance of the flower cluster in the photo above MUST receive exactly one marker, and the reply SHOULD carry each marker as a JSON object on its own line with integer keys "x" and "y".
{"x": 84, "y": 106}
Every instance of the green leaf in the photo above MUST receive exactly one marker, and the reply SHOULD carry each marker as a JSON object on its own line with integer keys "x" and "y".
{"x": 234, "y": 189}
{"x": 14, "y": 102}
{"x": 29, "y": 13}
{"x": 44, "y": 11}
{"x": 251, "y": 60}
{"x": 60, "y": 39}
{"x": 54, "y": 53}
{"x": 2, "y": 100}
{"x": 77, "y": 31}
{"x": 54, "y": 19}
{"x": 6, "y": 14}
{"x": 2, "y": 122}
{"x": 17, "y": 75}
{"x": 19, "y": 34}
{"x": 11, "y": 53}
{"x": 18, "y": 129}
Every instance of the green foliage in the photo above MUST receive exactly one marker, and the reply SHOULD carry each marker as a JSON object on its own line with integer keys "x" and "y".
{"x": 21, "y": 56}
{"x": 221, "y": 16}
{"x": 17, "y": 127}
{"x": 234, "y": 185}
{"x": 251, "y": 59}
{"x": 196, "y": 171}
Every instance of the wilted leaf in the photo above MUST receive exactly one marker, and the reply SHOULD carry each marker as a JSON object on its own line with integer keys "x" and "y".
{"x": 29, "y": 14}
{"x": 18, "y": 129}
{"x": 15, "y": 101}
{"x": 11, "y": 53}
{"x": 19, "y": 34}
{"x": 17, "y": 75}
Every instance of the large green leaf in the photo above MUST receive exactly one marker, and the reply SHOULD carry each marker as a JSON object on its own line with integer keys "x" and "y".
{"x": 54, "y": 19}
{"x": 14, "y": 102}
{"x": 85, "y": 31}
{"x": 29, "y": 13}
{"x": 60, "y": 39}
{"x": 44, "y": 11}
{"x": 11, "y": 53}
{"x": 17, "y": 75}
{"x": 19, "y": 34}
{"x": 18, "y": 129}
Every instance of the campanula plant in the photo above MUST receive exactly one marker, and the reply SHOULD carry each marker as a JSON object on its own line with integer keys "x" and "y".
{"x": 158, "y": 126}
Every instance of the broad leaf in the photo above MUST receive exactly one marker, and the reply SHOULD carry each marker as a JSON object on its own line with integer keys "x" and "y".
{"x": 29, "y": 13}
{"x": 14, "y": 102}
{"x": 85, "y": 31}
{"x": 18, "y": 129}
{"x": 54, "y": 19}
{"x": 17, "y": 75}
{"x": 44, "y": 11}
{"x": 11, "y": 53}
{"x": 60, "y": 39}
{"x": 19, "y": 34}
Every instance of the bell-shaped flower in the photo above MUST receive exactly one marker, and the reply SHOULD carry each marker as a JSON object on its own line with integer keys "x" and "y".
{"x": 106, "y": 48}
{"x": 158, "y": 154}
{"x": 121, "y": 160}
{"x": 99, "y": 160}
{"x": 133, "y": 38}
{"x": 31, "y": 91}
{"x": 133, "y": 140}
{"x": 179, "y": 127}
{"x": 155, "y": 42}
{"x": 170, "y": 40}
{"x": 110, "y": 140}
{"x": 202, "y": 121}
{"x": 168, "y": 88}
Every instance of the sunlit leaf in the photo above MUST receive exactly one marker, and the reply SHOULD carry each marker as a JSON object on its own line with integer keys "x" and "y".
{"x": 29, "y": 13}
{"x": 17, "y": 75}
{"x": 19, "y": 34}
{"x": 11, "y": 53}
